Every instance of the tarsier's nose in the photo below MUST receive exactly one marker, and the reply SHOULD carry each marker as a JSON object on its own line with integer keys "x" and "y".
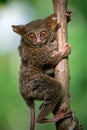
{"x": 38, "y": 41}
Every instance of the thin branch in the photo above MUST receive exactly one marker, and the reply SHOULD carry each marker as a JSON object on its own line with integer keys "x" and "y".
{"x": 62, "y": 69}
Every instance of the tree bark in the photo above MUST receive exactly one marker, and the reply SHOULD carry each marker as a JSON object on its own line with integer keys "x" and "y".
{"x": 62, "y": 73}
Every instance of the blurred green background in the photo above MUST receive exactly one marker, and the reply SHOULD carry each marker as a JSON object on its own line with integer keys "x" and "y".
{"x": 14, "y": 113}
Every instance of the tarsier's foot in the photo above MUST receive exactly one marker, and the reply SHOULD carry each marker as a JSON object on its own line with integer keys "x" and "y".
{"x": 59, "y": 116}
{"x": 68, "y": 14}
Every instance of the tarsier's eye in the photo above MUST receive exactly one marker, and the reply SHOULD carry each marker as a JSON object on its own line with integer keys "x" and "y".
{"x": 43, "y": 34}
{"x": 31, "y": 36}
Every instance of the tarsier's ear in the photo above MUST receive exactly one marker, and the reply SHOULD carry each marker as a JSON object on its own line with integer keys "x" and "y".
{"x": 20, "y": 29}
{"x": 51, "y": 21}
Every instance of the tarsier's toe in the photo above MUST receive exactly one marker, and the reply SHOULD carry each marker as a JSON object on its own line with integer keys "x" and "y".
{"x": 63, "y": 114}
{"x": 67, "y": 113}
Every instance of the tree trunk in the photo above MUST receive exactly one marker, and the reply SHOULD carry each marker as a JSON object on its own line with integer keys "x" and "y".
{"x": 62, "y": 69}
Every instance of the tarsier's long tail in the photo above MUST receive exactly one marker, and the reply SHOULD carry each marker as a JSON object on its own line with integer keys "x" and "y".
{"x": 32, "y": 117}
{"x": 31, "y": 105}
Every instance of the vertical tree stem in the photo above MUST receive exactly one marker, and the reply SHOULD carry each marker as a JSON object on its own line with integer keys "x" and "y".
{"x": 62, "y": 69}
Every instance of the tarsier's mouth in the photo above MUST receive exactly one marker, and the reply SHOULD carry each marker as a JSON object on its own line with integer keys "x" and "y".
{"x": 38, "y": 43}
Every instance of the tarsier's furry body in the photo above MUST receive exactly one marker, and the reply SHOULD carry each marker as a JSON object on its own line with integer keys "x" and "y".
{"x": 39, "y": 55}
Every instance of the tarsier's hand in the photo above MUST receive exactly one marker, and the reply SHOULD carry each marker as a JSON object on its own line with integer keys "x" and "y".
{"x": 66, "y": 50}
{"x": 63, "y": 52}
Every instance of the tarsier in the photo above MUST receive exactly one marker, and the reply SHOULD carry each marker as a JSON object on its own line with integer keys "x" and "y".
{"x": 39, "y": 56}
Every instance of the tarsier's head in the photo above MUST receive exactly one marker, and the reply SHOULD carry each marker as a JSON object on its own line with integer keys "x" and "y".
{"x": 38, "y": 32}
